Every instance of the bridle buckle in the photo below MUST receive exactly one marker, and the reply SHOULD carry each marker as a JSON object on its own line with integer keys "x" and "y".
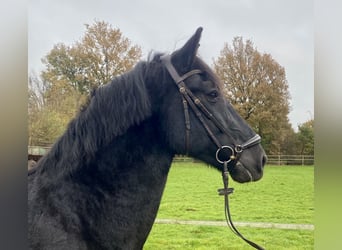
{"x": 238, "y": 149}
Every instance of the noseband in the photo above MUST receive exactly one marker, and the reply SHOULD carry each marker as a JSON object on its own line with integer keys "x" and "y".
{"x": 225, "y": 153}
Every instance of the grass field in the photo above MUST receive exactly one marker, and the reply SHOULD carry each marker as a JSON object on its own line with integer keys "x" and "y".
{"x": 284, "y": 195}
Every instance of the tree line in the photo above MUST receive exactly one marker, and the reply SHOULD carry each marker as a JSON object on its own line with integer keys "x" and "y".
{"x": 254, "y": 83}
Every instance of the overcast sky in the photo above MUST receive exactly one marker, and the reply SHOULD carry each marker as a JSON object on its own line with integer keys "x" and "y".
{"x": 283, "y": 28}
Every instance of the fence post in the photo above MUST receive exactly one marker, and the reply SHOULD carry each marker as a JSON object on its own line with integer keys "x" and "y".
{"x": 278, "y": 160}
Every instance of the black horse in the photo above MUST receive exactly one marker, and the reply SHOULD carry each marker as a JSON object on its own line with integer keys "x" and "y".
{"x": 100, "y": 185}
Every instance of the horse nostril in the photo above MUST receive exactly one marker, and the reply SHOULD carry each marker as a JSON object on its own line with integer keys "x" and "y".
{"x": 264, "y": 160}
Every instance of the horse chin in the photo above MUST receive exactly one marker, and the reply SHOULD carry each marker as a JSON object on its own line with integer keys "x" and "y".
{"x": 242, "y": 174}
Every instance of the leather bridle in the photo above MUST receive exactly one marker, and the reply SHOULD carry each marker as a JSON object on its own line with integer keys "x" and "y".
{"x": 189, "y": 99}
{"x": 225, "y": 153}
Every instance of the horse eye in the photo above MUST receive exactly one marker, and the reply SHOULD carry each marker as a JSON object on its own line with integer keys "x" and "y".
{"x": 213, "y": 94}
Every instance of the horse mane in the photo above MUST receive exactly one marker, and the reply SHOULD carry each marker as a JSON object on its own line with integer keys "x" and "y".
{"x": 110, "y": 111}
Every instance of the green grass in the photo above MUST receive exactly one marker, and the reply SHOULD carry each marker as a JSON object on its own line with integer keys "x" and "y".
{"x": 283, "y": 195}
{"x": 185, "y": 237}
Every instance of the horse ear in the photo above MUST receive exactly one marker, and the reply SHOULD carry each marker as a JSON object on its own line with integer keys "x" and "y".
{"x": 184, "y": 57}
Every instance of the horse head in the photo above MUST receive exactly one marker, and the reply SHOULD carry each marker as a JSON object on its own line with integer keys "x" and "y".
{"x": 200, "y": 122}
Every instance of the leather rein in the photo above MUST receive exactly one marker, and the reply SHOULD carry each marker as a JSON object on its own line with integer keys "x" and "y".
{"x": 225, "y": 153}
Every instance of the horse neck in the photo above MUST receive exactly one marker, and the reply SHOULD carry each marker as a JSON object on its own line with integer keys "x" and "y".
{"x": 110, "y": 174}
{"x": 139, "y": 163}
{"x": 142, "y": 149}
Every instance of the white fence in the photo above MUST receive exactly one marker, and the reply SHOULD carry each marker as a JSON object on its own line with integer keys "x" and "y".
{"x": 290, "y": 160}
{"x": 39, "y": 151}
{"x": 272, "y": 159}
